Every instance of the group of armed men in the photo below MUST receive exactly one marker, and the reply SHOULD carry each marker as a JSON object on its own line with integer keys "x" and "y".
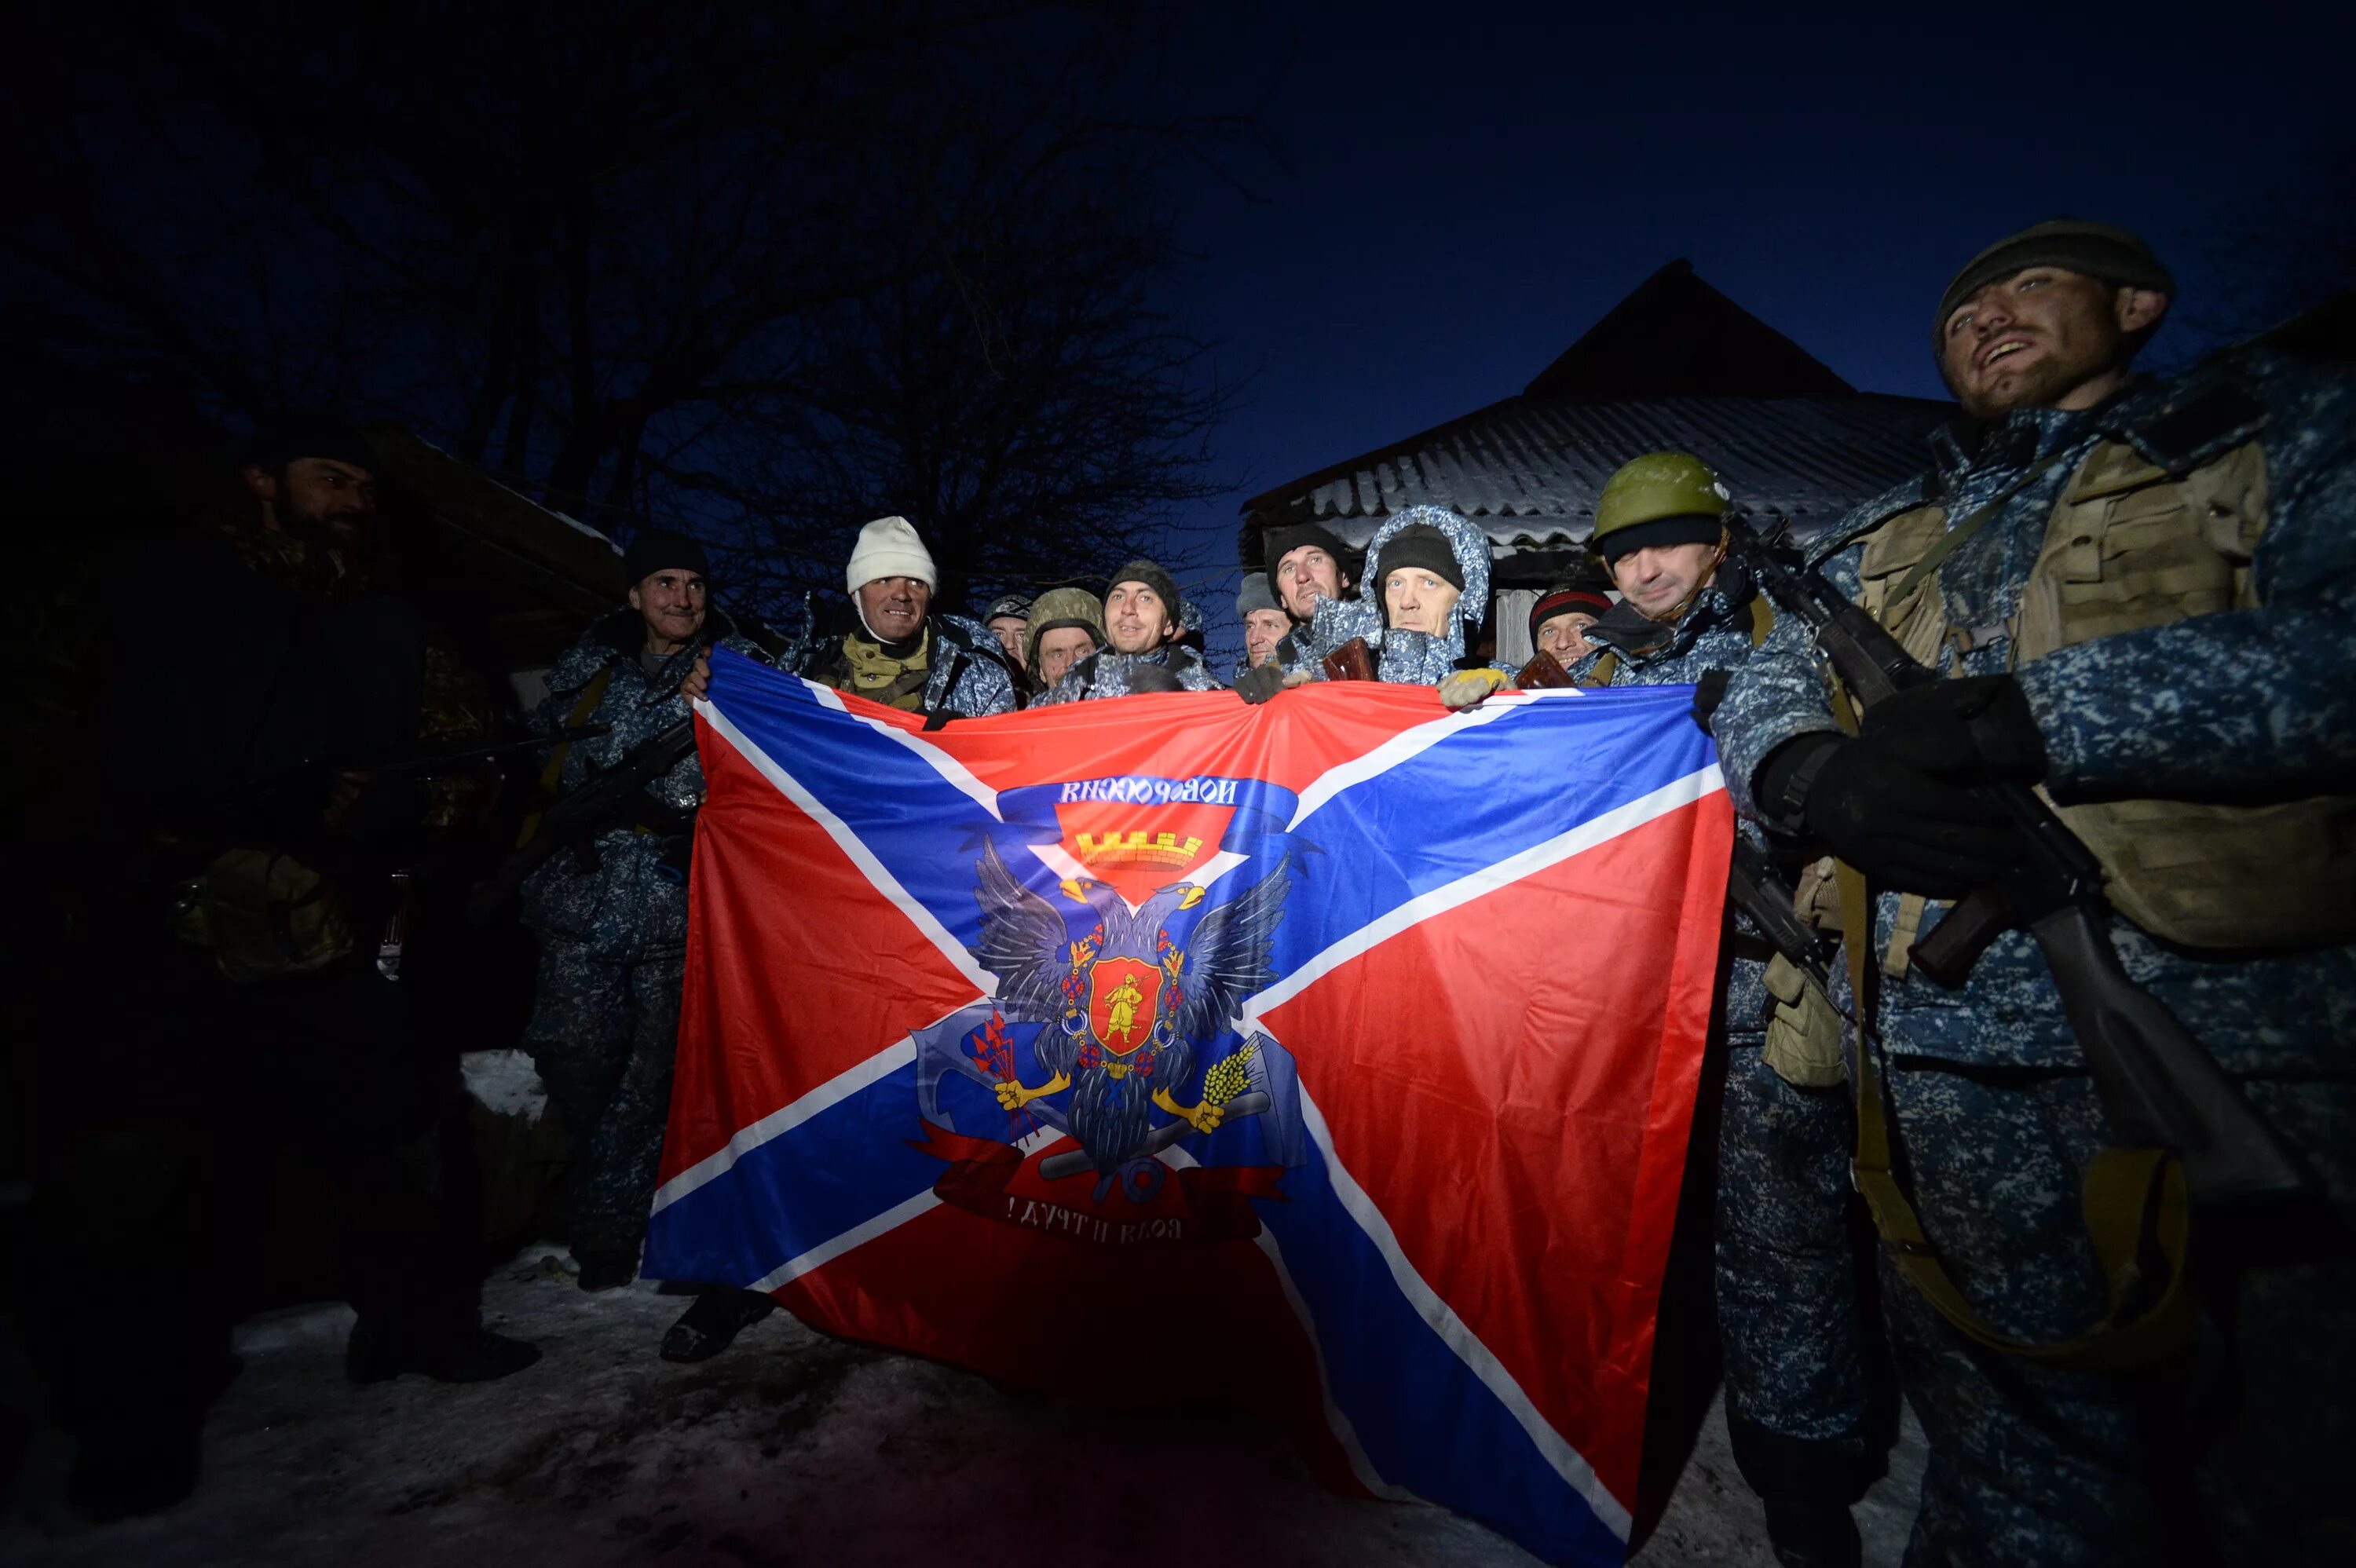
{"x": 2108, "y": 629}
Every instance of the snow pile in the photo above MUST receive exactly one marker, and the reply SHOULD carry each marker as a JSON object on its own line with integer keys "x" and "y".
{"x": 505, "y": 1082}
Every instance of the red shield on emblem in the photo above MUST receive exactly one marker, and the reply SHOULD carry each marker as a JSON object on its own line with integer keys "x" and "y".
{"x": 1121, "y": 995}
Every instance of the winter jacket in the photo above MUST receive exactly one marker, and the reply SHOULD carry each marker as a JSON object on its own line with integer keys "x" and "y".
{"x": 968, "y": 676}
{"x": 1408, "y": 659}
{"x": 2255, "y": 702}
{"x": 1110, "y": 674}
{"x": 625, "y": 909}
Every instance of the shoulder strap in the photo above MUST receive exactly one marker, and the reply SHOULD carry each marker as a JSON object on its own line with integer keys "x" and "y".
{"x": 1600, "y": 673}
{"x": 1934, "y": 557}
{"x": 1762, "y": 619}
{"x": 553, "y": 775}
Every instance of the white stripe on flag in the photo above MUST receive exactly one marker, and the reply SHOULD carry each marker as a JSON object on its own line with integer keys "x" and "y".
{"x": 1596, "y": 830}
{"x": 1566, "y": 1461}
{"x": 1337, "y": 1419}
{"x": 955, "y": 772}
{"x": 826, "y": 1251}
{"x": 747, "y": 1139}
{"x": 958, "y": 956}
{"x": 892, "y": 1219}
{"x": 1402, "y": 747}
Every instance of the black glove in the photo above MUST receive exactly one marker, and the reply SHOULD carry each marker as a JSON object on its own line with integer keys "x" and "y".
{"x": 1147, "y": 678}
{"x": 1978, "y": 730}
{"x": 1708, "y": 692}
{"x": 1905, "y": 829}
{"x": 1261, "y": 683}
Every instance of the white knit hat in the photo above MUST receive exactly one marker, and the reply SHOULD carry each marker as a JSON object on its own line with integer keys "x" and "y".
{"x": 889, "y": 547}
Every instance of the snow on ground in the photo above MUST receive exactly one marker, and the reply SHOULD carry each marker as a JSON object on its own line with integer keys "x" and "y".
{"x": 789, "y": 1448}
{"x": 505, "y": 1082}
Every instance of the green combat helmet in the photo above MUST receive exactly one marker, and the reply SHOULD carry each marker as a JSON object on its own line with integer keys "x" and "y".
{"x": 1660, "y": 499}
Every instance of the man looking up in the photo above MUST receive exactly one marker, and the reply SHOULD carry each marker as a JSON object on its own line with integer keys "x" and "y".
{"x": 1141, "y": 621}
{"x": 2143, "y": 595}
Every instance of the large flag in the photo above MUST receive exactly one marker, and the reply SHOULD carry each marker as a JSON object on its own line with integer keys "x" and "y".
{"x": 1334, "y": 1056}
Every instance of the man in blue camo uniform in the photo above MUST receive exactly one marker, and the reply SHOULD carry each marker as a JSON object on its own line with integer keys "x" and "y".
{"x": 2146, "y": 605}
{"x": 1144, "y": 619}
{"x": 1794, "y": 1332}
{"x": 613, "y": 937}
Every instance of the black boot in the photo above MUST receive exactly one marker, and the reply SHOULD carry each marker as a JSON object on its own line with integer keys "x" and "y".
{"x": 465, "y": 1354}
{"x": 1812, "y": 1533}
{"x": 706, "y": 1329}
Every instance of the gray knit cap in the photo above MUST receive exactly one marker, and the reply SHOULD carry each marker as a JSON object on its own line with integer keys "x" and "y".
{"x": 1255, "y": 597}
{"x": 2098, "y": 249}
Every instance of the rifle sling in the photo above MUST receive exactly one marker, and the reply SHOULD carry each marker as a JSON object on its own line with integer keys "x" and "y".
{"x": 1953, "y": 540}
{"x": 2133, "y": 1200}
{"x": 553, "y": 775}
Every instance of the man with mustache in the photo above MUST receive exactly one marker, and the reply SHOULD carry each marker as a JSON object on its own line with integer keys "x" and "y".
{"x": 2144, "y": 593}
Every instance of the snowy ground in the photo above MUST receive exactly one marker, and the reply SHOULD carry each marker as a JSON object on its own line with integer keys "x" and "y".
{"x": 791, "y": 1449}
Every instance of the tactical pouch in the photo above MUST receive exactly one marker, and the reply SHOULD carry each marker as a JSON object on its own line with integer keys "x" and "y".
{"x": 262, "y": 915}
{"x": 1803, "y": 1033}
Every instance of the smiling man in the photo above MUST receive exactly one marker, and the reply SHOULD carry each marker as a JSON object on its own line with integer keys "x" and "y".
{"x": 2143, "y": 595}
{"x": 1142, "y": 619}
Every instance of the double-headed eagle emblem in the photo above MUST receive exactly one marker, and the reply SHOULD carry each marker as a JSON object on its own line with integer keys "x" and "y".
{"x": 1124, "y": 1008}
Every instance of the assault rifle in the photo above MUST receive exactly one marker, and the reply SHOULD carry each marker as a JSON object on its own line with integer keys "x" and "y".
{"x": 609, "y": 799}
{"x": 1760, "y": 892}
{"x": 458, "y": 759}
{"x": 2158, "y": 1085}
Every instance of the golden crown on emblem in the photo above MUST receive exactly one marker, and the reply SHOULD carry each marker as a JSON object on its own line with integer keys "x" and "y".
{"x": 1136, "y": 847}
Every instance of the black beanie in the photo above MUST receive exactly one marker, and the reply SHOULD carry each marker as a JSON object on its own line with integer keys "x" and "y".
{"x": 1279, "y": 542}
{"x": 1419, "y": 544}
{"x": 660, "y": 549}
{"x": 309, "y": 436}
{"x": 2098, "y": 249}
{"x": 1695, "y": 527}
{"x": 1154, "y": 577}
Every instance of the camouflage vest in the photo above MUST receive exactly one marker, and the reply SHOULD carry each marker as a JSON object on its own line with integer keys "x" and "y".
{"x": 2131, "y": 546}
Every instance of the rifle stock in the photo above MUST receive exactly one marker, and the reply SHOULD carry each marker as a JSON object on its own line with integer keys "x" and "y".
{"x": 1544, "y": 672}
{"x": 1351, "y": 661}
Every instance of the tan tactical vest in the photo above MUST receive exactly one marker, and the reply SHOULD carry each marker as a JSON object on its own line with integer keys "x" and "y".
{"x": 2129, "y": 547}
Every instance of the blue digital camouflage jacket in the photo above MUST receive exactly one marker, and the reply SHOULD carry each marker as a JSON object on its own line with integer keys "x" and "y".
{"x": 624, "y": 910}
{"x": 2260, "y": 700}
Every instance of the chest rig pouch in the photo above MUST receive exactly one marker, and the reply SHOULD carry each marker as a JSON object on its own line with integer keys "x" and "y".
{"x": 2131, "y": 545}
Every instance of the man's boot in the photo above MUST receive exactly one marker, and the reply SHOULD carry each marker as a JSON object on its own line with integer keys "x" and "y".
{"x": 1813, "y": 1532}
{"x": 709, "y": 1326}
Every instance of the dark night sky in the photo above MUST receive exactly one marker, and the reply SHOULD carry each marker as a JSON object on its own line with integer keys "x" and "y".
{"x": 1470, "y": 187}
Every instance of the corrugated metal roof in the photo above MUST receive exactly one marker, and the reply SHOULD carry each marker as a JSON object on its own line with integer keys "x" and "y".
{"x": 1531, "y": 470}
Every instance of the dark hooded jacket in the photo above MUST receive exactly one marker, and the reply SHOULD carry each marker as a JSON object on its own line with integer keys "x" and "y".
{"x": 1409, "y": 659}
